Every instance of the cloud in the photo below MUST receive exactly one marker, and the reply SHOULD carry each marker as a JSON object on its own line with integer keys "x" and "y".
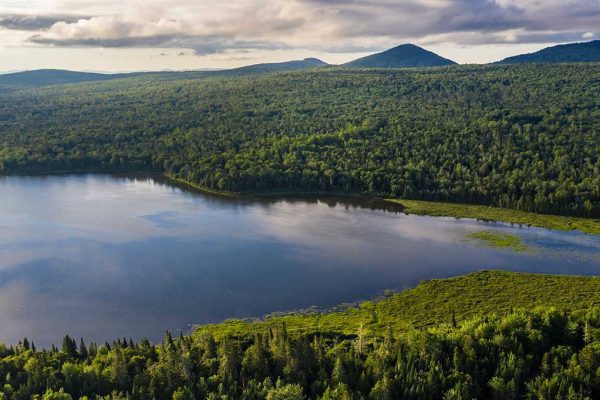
{"x": 251, "y": 29}
{"x": 211, "y": 27}
{"x": 33, "y": 22}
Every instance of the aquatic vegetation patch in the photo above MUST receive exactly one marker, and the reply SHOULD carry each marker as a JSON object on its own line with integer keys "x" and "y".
{"x": 499, "y": 239}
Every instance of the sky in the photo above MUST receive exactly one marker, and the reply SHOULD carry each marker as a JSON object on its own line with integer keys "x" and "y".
{"x": 133, "y": 35}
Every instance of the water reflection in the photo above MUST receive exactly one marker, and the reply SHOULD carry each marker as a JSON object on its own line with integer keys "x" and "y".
{"x": 103, "y": 257}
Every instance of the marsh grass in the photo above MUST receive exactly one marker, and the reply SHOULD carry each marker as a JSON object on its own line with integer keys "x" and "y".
{"x": 486, "y": 213}
{"x": 432, "y": 302}
{"x": 499, "y": 240}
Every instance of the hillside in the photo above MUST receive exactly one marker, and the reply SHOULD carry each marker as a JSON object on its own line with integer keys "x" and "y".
{"x": 521, "y": 137}
{"x": 468, "y": 344}
{"x": 403, "y": 56}
{"x": 564, "y": 53}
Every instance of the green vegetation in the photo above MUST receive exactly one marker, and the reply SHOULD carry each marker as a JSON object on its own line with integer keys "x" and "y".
{"x": 467, "y": 343}
{"x": 523, "y": 137}
{"x": 563, "y": 53}
{"x": 487, "y": 213}
{"x": 430, "y": 303}
{"x": 499, "y": 239}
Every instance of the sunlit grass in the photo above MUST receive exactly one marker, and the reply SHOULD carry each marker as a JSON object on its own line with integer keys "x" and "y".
{"x": 432, "y": 302}
{"x": 587, "y": 225}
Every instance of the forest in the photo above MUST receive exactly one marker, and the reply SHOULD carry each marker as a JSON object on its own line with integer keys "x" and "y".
{"x": 525, "y": 137}
{"x": 534, "y": 352}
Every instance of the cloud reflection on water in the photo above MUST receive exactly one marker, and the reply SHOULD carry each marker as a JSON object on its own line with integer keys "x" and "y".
{"x": 103, "y": 257}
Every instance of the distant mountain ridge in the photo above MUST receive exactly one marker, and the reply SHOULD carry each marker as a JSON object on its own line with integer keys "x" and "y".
{"x": 403, "y": 56}
{"x": 44, "y": 77}
{"x": 563, "y": 53}
{"x": 264, "y": 68}
{"x": 47, "y": 77}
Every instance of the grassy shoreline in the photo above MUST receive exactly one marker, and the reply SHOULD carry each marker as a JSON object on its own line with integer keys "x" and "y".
{"x": 486, "y": 213}
{"x": 431, "y": 303}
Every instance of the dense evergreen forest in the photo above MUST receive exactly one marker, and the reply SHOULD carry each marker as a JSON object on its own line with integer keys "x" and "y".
{"x": 537, "y": 353}
{"x": 521, "y": 136}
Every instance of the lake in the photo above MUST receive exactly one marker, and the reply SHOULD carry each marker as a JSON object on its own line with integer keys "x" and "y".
{"x": 101, "y": 257}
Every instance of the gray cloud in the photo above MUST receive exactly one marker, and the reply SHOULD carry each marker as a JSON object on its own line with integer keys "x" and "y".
{"x": 420, "y": 18}
{"x": 34, "y": 22}
{"x": 199, "y": 45}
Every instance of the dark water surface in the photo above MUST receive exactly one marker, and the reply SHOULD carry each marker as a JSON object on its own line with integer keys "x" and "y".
{"x": 104, "y": 257}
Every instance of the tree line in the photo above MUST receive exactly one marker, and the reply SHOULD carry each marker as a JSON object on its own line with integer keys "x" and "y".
{"x": 543, "y": 353}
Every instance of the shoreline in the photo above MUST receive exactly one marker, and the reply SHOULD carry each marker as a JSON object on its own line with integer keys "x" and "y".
{"x": 433, "y": 209}
{"x": 425, "y": 304}
{"x": 497, "y": 214}
{"x": 409, "y": 207}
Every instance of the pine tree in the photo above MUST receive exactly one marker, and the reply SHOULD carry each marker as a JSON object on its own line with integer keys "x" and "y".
{"x": 338, "y": 375}
{"x": 360, "y": 339}
{"x": 587, "y": 332}
{"x": 69, "y": 346}
{"x": 83, "y": 352}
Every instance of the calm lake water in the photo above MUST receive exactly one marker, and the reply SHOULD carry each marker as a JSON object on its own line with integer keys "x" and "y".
{"x": 105, "y": 257}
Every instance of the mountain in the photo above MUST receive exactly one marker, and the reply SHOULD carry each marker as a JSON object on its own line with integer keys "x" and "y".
{"x": 45, "y": 77}
{"x": 564, "y": 53}
{"x": 403, "y": 56}
{"x": 257, "y": 69}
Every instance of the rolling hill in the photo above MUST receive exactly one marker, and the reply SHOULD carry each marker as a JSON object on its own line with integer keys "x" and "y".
{"x": 46, "y": 77}
{"x": 403, "y": 56}
{"x": 564, "y": 53}
{"x": 257, "y": 69}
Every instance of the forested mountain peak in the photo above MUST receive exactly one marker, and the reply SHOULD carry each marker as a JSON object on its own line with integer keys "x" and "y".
{"x": 314, "y": 60}
{"x": 563, "y": 53}
{"x": 403, "y": 56}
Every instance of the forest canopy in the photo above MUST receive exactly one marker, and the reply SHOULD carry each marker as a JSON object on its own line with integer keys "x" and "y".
{"x": 544, "y": 352}
{"x": 520, "y": 136}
